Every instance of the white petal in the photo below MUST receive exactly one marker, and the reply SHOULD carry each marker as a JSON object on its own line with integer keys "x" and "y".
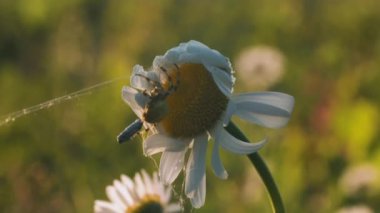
{"x": 175, "y": 207}
{"x": 199, "y": 196}
{"x": 171, "y": 164}
{"x": 159, "y": 187}
{"x": 231, "y": 108}
{"x": 139, "y": 78}
{"x": 269, "y": 109}
{"x": 216, "y": 163}
{"x": 130, "y": 186}
{"x": 139, "y": 186}
{"x": 147, "y": 182}
{"x": 159, "y": 143}
{"x": 135, "y": 100}
{"x": 197, "y": 53}
{"x": 106, "y": 207}
{"x": 223, "y": 80}
{"x": 232, "y": 144}
{"x": 115, "y": 197}
{"x": 196, "y": 164}
{"x": 206, "y": 55}
{"x": 165, "y": 194}
{"x": 123, "y": 193}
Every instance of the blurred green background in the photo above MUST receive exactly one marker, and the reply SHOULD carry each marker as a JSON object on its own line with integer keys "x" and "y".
{"x": 61, "y": 159}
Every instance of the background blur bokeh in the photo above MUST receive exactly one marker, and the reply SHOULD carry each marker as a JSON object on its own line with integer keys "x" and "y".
{"x": 325, "y": 53}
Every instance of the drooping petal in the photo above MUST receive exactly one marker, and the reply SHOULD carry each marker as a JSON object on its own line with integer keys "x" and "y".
{"x": 223, "y": 80}
{"x": 106, "y": 207}
{"x": 135, "y": 100}
{"x": 198, "y": 196}
{"x": 196, "y": 164}
{"x": 159, "y": 143}
{"x": 206, "y": 55}
{"x": 231, "y": 109}
{"x": 197, "y": 53}
{"x": 217, "y": 164}
{"x": 269, "y": 109}
{"x": 194, "y": 52}
{"x": 141, "y": 79}
{"x": 232, "y": 144}
{"x": 171, "y": 164}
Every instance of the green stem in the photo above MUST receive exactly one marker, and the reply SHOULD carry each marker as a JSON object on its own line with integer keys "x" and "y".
{"x": 262, "y": 169}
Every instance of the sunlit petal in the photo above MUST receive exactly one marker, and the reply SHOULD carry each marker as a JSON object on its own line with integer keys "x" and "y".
{"x": 231, "y": 108}
{"x": 134, "y": 99}
{"x": 114, "y": 197}
{"x": 159, "y": 143}
{"x": 106, "y": 207}
{"x": 223, "y": 80}
{"x": 216, "y": 163}
{"x": 171, "y": 164}
{"x": 173, "y": 208}
{"x": 147, "y": 182}
{"x": 269, "y": 109}
{"x": 196, "y": 164}
{"x": 198, "y": 196}
{"x": 232, "y": 144}
{"x": 123, "y": 192}
{"x": 141, "y": 79}
{"x": 139, "y": 186}
{"x": 126, "y": 194}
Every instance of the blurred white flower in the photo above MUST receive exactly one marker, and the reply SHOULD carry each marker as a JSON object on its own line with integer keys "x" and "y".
{"x": 186, "y": 99}
{"x": 144, "y": 194}
{"x": 355, "y": 209}
{"x": 360, "y": 178}
{"x": 260, "y": 67}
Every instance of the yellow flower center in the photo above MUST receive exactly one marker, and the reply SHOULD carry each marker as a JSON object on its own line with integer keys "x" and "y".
{"x": 149, "y": 204}
{"x": 196, "y": 105}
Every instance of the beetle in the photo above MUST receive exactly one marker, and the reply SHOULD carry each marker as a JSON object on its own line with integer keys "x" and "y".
{"x": 155, "y": 109}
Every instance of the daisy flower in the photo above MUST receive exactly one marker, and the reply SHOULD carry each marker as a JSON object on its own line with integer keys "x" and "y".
{"x": 186, "y": 99}
{"x": 144, "y": 194}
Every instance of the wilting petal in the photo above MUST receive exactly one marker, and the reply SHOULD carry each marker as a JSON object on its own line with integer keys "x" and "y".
{"x": 216, "y": 163}
{"x": 232, "y": 144}
{"x": 195, "y": 52}
{"x": 269, "y": 109}
{"x": 223, "y": 80}
{"x": 196, "y": 164}
{"x": 159, "y": 143}
{"x": 206, "y": 55}
{"x": 134, "y": 99}
{"x": 231, "y": 109}
{"x": 106, "y": 207}
{"x": 198, "y": 196}
{"x": 171, "y": 164}
{"x": 141, "y": 79}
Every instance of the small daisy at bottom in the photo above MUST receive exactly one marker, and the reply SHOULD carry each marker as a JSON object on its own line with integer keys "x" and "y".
{"x": 143, "y": 194}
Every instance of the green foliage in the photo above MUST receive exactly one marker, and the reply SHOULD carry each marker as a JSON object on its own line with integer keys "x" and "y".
{"x": 61, "y": 158}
